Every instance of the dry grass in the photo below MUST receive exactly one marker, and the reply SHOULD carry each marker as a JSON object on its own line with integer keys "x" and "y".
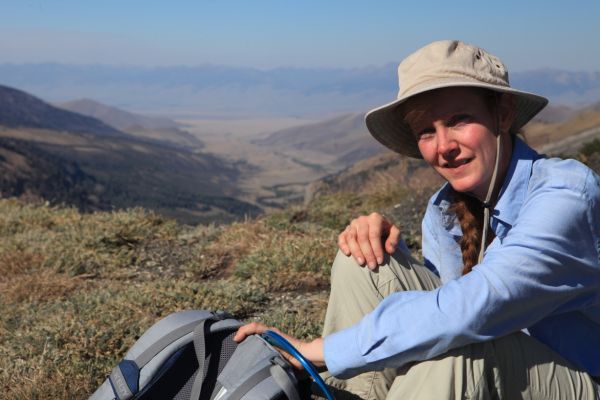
{"x": 76, "y": 290}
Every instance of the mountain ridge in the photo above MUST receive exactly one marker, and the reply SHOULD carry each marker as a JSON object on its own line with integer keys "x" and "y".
{"x": 142, "y": 126}
{"x": 22, "y": 110}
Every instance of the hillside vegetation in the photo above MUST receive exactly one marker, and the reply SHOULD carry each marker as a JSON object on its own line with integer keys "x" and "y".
{"x": 77, "y": 289}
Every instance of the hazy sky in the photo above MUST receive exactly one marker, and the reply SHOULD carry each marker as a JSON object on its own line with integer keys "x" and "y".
{"x": 303, "y": 33}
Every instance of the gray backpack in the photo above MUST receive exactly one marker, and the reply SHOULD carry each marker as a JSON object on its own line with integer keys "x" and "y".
{"x": 191, "y": 355}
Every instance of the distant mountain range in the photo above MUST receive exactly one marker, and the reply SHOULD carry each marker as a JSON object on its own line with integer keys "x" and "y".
{"x": 65, "y": 157}
{"x": 210, "y": 90}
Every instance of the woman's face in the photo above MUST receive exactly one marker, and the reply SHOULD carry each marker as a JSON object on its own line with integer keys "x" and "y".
{"x": 454, "y": 128}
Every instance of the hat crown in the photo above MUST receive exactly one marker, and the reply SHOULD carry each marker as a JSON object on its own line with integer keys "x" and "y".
{"x": 445, "y": 64}
{"x": 449, "y": 62}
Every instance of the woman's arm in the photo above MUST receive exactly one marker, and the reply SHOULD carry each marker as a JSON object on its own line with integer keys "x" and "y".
{"x": 546, "y": 264}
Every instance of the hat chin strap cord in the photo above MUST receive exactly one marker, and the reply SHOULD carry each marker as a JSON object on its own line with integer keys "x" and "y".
{"x": 486, "y": 204}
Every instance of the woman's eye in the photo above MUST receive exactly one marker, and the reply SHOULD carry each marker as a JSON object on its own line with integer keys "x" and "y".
{"x": 426, "y": 133}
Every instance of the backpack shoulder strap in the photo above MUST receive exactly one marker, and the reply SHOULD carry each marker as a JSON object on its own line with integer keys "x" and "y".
{"x": 199, "y": 338}
{"x": 285, "y": 382}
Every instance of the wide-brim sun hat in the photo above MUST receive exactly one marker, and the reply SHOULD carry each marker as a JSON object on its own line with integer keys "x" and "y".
{"x": 443, "y": 64}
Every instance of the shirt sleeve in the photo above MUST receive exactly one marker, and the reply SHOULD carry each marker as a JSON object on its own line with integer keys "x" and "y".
{"x": 547, "y": 264}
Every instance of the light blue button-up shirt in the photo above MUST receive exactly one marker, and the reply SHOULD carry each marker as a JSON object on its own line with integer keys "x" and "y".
{"x": 541, "y": 272}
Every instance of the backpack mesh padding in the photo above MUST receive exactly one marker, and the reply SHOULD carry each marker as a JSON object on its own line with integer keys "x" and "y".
{"x": 174, "y": 379}
{"x": 211, "y": 387}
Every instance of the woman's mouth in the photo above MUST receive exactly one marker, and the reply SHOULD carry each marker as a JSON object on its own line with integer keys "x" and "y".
{"x": 457, "y": 163}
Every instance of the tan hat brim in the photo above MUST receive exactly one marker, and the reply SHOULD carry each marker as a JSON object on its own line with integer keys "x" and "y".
{"x": 387, "y": 125}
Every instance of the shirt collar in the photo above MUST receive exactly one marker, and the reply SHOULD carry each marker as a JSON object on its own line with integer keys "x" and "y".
{"x": 515, "y": 185}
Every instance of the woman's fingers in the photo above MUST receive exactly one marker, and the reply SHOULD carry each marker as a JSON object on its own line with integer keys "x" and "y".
{"x": 378, "y": 228}
{"x": 392, "y": 239}
{"x": 368, "y": 234}
{"x": 343, "y": 241}
{"x": 367, "y": 238}
{"x": 353, "y": 245}
{"x": 250, "y": 329}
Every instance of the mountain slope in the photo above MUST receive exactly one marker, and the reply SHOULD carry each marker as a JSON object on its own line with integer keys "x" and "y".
{"x": 155, "y": 128}
{"x": 23, "y": 110}
{"x": 26, "y": 171}
{"x": 542, "y": 132}
{"x": 339, "y": 141}
{"x": 96, "y": 167}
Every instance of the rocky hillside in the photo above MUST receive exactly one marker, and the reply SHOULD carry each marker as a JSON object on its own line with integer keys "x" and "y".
{"x": 28, "y": 172}
{"x": 543, "y": 131}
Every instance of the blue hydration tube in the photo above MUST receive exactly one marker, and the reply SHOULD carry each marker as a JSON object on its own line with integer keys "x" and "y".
{"x": 277, "y": 340}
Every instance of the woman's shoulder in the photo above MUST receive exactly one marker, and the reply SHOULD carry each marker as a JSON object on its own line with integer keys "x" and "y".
{"x": 564, "y": 174}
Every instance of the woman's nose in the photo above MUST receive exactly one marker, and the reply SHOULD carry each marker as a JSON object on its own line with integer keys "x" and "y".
{"x": 447, "y": 146}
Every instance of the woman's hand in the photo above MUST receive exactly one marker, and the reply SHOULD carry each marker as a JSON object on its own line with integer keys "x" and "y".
{"x": 312, "y": 351}
{"x": 364, "y": 237}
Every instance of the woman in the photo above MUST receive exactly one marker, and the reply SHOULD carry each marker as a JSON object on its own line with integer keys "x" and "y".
{"x": 507, "y": 304}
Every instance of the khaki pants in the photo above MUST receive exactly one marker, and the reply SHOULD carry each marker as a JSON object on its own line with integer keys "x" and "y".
{"x": 512, "y": 367}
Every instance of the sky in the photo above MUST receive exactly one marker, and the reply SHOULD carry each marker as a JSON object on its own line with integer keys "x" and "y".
{"x": 267, "y": 34}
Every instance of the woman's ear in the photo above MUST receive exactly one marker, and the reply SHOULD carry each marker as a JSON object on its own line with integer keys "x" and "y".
{"x": 507, "y": 112}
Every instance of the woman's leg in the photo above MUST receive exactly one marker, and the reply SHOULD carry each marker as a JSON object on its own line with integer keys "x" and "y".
{"x": 355, "y": 291}
{"x": 513, "y": 367}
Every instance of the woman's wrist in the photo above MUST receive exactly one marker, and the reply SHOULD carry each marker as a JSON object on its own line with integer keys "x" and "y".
{"x": 314, "y": 352}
